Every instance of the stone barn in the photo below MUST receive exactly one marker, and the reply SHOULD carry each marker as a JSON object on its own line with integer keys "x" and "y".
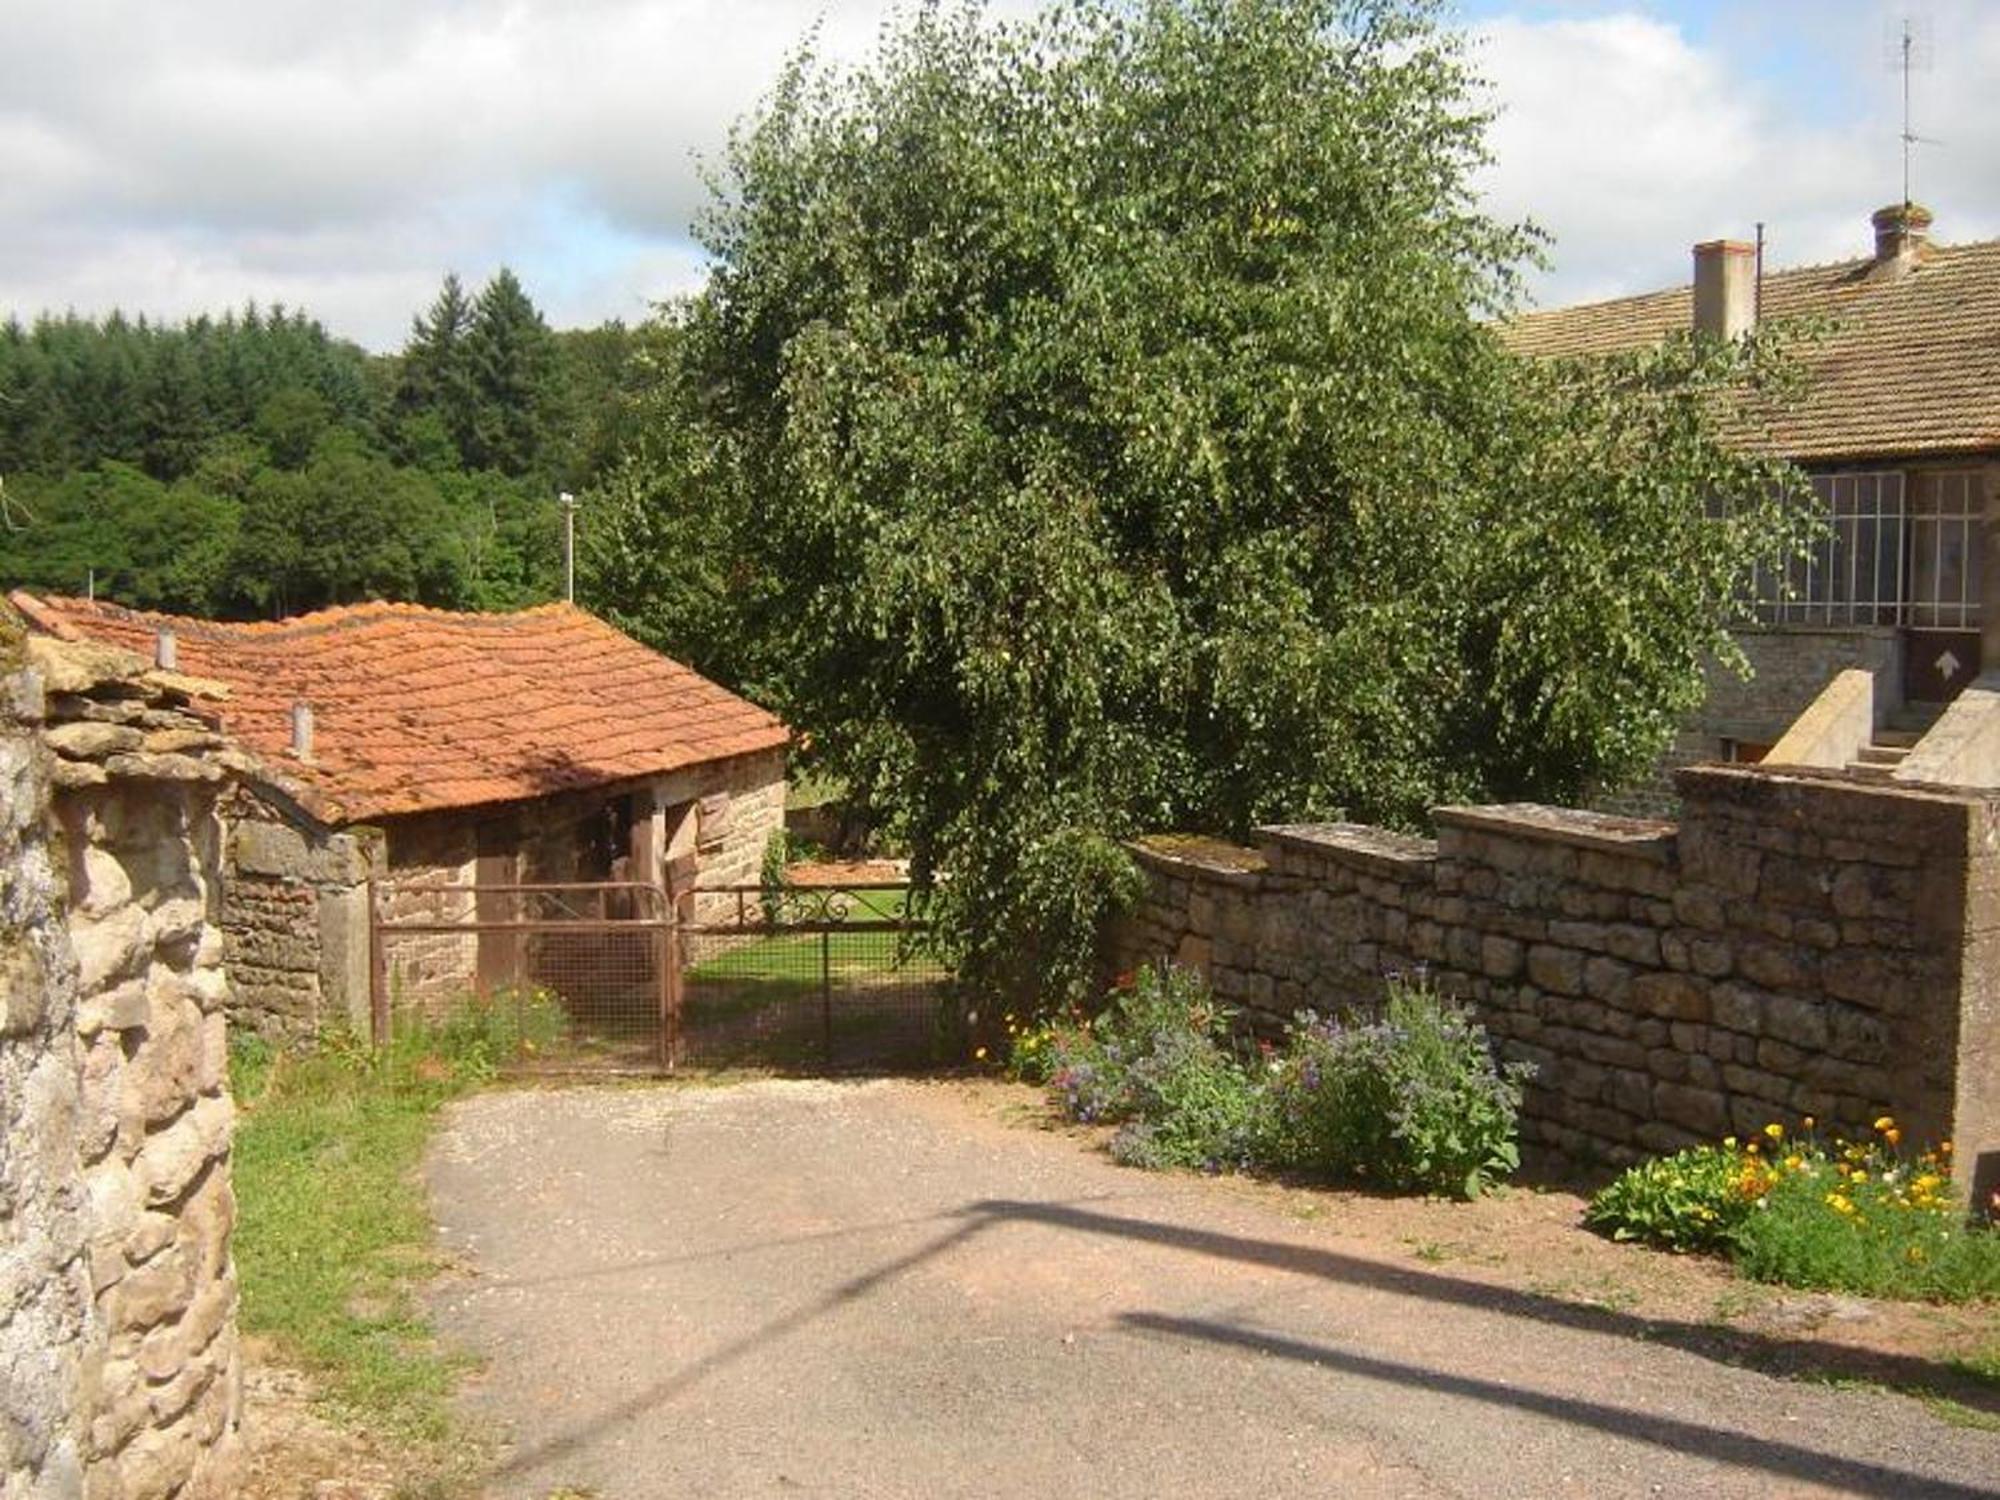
{"x": 428, "y": 759}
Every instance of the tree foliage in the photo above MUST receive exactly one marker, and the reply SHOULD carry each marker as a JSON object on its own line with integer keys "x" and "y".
{"x": 1099, "y": 424}
{"x": 252, "y": 464}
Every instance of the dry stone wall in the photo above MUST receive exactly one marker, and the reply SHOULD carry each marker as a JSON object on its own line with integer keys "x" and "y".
{"x": 1797, "y": 944}
{"x": 118, "y": 1332}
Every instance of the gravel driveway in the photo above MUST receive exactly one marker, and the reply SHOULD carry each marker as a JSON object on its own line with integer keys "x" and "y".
{"x": 878, "y": 1289}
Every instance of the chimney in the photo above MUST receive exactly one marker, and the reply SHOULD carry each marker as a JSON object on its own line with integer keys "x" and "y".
{"x": 302, "y": 729}
{"x": 1902, "y": 234}
{"x": 164, "y": 655}
{"x": 1725, "y": 288}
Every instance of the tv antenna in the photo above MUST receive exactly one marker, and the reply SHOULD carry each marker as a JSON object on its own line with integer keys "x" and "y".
{"x": 1910, "y": 50}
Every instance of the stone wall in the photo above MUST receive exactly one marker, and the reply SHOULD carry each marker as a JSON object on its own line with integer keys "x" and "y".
{"x": 119, "y": 1372}
{"x": 1799, "y": 944}
{"x": 295, "y": 919}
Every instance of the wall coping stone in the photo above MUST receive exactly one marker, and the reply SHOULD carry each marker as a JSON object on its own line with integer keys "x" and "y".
{"x": 1650, "y": 839}
{"x": 1215, "y": 857}
{"x": 1735, "y": 782}
{"x": 1380, "y": 851}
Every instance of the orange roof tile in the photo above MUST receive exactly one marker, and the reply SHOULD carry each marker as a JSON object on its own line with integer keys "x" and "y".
{"x": 1911, "y": 366}
{"x": 417, "y": 710}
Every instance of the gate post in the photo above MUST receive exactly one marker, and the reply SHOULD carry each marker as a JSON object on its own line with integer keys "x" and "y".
{"x": 378, "y": 971}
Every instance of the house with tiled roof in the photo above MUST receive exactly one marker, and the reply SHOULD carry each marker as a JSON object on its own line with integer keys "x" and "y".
{"x": 405, "y": 750}
{"x": 1899, "y": 432}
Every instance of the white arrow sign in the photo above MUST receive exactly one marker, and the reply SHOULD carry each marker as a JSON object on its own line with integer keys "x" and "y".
{"x": 1947, "y": 664}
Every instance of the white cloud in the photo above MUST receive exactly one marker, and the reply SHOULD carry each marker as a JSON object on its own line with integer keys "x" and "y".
{"x": 174, "y": 157}
{"x": 1629, "y": 143}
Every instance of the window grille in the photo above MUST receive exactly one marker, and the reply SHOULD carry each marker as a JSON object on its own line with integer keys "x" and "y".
{"x": 1898, "y": 552}
{"x": 1944, "y": 551}
{"x": 1854, "y": 575}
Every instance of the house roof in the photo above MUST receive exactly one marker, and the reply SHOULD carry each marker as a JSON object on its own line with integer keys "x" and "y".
{"x": 419, "y": 710}
{"x": 1911, "y": 364}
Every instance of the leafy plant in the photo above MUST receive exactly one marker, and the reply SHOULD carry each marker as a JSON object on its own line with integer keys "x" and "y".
{"x": 1414, "y": 1100}
{"x": 1692, "y": 1200}
{"x": 1851, "y": 1216}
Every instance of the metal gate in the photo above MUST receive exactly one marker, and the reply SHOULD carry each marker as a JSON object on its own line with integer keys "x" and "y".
{"x": 814, "y": 978}
{"x": 557, "y": 976}
{"x": 621, "y": 977}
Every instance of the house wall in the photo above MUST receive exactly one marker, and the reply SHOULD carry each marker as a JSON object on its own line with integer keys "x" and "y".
{"x": 295, "y": 920}
{"x": 119, "y": 1367}
{"x": 1789, "y": 666}
{"x": 1798, "y": 944}
{"x": 724, "y": 812}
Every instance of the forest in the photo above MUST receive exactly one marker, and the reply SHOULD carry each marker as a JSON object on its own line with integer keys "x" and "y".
{"x": 254, "y": 465}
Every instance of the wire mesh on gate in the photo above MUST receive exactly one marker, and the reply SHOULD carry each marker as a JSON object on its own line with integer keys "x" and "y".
{"x": 550, "y": 975}
{"x": 805, "y": 978}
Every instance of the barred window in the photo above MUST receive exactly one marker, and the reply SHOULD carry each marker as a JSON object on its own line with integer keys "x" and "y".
{"x": 1944, "y": 551}
{"x": 1901, "y": 550}
{"x": 1854, "y": 575}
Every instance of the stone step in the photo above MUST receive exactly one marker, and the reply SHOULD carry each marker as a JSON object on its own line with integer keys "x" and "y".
{"x": 1879, "y": 754}
{"x": 1863, "y": 770}
{"x": 1901, "y": 739}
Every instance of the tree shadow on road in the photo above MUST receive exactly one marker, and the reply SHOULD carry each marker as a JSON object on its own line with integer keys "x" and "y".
{"x": 1744, "y": 1348}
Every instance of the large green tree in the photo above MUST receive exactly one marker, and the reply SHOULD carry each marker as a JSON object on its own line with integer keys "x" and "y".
{"x": 1100, "y": 424}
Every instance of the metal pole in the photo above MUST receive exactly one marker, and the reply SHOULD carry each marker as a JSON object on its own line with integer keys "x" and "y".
{"x": 826, "y": 995}
{"x": 568, "y": 503}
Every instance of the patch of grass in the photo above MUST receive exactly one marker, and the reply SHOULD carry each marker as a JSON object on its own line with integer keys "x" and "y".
{"x": 333, "y": 1234}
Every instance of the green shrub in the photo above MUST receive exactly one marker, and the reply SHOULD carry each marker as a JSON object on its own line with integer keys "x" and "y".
{"x": 771, "y": 874}
{"x": 1413, "y": 1101}
{"x": 1691, "y": 1200}
{"x": 1847, "y": 1216}
{"x": 1152, "y": 1011}
{"x": 1193, "y": 1105}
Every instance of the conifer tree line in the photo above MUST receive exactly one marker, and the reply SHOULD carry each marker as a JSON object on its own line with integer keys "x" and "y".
{"x": 254, "y": 464}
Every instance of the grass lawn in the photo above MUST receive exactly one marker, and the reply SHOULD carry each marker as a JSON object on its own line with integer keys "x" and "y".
{"x": 333, "y": 1234}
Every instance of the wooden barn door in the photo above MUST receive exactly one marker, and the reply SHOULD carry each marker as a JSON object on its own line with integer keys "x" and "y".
{"x": 495, "y": 866}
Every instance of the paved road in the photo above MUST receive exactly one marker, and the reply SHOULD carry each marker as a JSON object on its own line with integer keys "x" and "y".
{"x": 876, "y": 1290}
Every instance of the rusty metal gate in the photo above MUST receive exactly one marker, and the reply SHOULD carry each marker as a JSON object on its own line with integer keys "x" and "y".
{"x": 557, "y": 976}
{"x": 813, "y": 978}
{"x": 617, "y": 976}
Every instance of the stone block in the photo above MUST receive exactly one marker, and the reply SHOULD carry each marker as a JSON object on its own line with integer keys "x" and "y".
{"x": 1607, "y": 979}
{"x": 1738, "y": 1008}
{"x": 91, "y": 741}
{"x": 1799, "y": 1021}
{"x": 1701, "y": 1111}
{"x": 1773, "y": 967}
{"x": 110, "y": 948}
{"x": 100, "y": 884}
{"x": 1559, "y": 970}
{"x": 1710, "y": 958}
{"x": 1499, "y": 957}
{"x": 1675, "y": 997}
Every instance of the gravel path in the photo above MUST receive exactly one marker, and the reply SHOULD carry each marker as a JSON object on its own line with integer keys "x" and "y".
{"x": 876, "y": 1289}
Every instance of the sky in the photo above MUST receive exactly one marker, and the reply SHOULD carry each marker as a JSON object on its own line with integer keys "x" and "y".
{"x": 189, "y": 156}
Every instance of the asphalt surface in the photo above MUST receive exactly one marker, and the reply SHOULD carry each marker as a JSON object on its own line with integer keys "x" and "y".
{"x": 876, "y": 1289}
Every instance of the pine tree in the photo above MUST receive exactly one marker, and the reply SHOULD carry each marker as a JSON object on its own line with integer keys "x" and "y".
{"x": 435, "y": 377}
{"x": 511, "y": 363}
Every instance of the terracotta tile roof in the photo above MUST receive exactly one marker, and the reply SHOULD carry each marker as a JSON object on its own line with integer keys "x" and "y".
{"x": 416, "y": 709}
{"x": 1911, "y": 365}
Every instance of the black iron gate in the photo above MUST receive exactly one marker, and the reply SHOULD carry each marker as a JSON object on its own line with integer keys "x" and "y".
{"x": 809, "y": 978}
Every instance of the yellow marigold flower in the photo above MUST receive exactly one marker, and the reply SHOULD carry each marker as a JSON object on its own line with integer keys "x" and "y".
{"x": 1892, "y": 1135}
{"x": 1944, "y": 1148}
{"x": 979, "y": 1052}
{"x": 1751, "y": 1148}
{"x": 1885, "y": 1122}
{"x": 1795, "y": 1162}
{"x": 1807, "y": 1123}
{"x": 1839, "y": 1204}
{"x": 1775, "y": 1131}
{"x": 1729, "y": 1141}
